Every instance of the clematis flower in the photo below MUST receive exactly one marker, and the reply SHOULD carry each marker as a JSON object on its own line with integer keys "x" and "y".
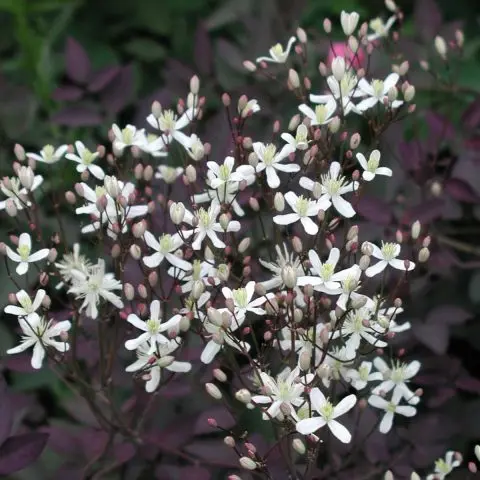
{"x": 303, "y": 209}
{"x": 371, "y": 167}
{"x": 40, "y": 334}
{"x": 170, "y": 125}
{"x": 380, "y": 29}
{"x": 165, "y": 248}
{"x": 277, "y": 53}
{"x": 376, "y": 91}
{"x": 49, "y": 154}
{"x": 85, "y": 159}
{"x": 270, "y": 161}
{"x": 328, "y": 415}
{"x": 388, "y": 256}
{"x": 360, "y": 377}
{"x": 23, "y": 255}
{"x": 127, "y": 137}
{"x": 322, "y": 115}
{"x": 443, "y": 468}
{"x": 152, "y": 328}
{"x": 27, "y": 308}
{"x": 168, "y": 174}
{"x": 300, "y": 141}
{"x": 219, "y": 175}
{"x": 242, "y": 300}
{"x": 391, "y": 408}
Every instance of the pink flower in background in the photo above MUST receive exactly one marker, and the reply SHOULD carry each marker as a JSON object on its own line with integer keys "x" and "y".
{"x": 343, "y": 50}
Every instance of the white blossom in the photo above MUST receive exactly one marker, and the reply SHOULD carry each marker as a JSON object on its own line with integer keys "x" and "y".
{"x": 170, "y": 125}
{"x": 277, "y": 53}
{"x": 49, "y": 154}
{"x": 23, "y": 255}
{"x": 371, "y": 167}
{"x": 85, "y": 158}
{"x": 376, "y": 91}
{"x": 242, "y": 300}
{"x": 323, "y": 113}
{"x": 27, "y": 308}
{"x": 388, "y": 256}
{"x": 300, "y": 141}
{"x": 165, "y": 248}
{"x": 127, "y": 137}
{"x": 443, "y": 467}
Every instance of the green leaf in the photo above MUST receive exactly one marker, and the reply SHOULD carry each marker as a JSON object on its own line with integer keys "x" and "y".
{"x": 228, "y": 13}
{"x": 145, "y": 49}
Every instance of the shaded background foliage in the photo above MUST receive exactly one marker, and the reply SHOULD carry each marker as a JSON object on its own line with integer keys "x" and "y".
{"x": 72, "y": 67}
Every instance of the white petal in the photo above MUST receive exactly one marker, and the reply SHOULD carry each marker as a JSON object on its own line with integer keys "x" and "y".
{"x": 386, "y": 423}
{"x": 344, "y": 405}
{"x": 310, "y": 425}
{"x": 343, "y": 207}
{"x": 38, "y": 355}
{"x": 376, "y": 269}
{"x": 311, "y": 228}
{"x": 339, "y": 431}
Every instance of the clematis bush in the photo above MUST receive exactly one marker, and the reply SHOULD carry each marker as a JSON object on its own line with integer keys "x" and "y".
{"x": 243, "y": 283}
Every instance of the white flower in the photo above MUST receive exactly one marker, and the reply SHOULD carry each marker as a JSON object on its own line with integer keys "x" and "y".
{"x": 379, "y": 28}
{"x": 350, "y": 284}
{"x": 396, "y": 378}
{"x": 152, "y": 365}
{"x": 200, "y": 271}
{"x": 349, "y": 22}
{"x": 371, "y": 168}
{"x": 250, "y": 108}
{"x": 165, "y": 248}
{"x": 323, "y": 278}
{"x": 94, "y": 285}
{"x": 377, "y": 91}
{"x": 303, "y": 209}
{"x": 195, "y": 148}
{"x": 39, "y": 334}
{"x": 85, "y": 159}
{"x": 72, "y": 262}
{"x": 23, "y": 255}
{"x": 360, "y": 377}
{"x": 388, "y": 256}
{"x": 219, "y": 175}
{"x": 277, "y": 53}
{"x": 283, "y": 259}
{"x": 300, "y": 141}
{"x": 27, "y": 308}
{"x": 14, "y": 189}
{"x": 269, "y": 160}
{"x": 444, "y": 467}
{"x": 49, "y": 154}
{"x": 153, "y": 328}
{"x": 127, "y": 137}
{"x": 333, "y": 186}
{"x": 169, "y": 123}
{"x": 328, "y": 413}
{"x": 322, "y": 113}
{"x": 286, "y": 390}
{"x": 242, "y": 300}
{"x": 168, "y": 174}
{"x": 207, "y": 226}
{"x": 391, "y": 408}
{"x": 154, "y": 145}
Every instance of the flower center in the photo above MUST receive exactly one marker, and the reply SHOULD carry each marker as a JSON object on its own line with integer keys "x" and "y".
{"x": 350, "y": 284}
{"x": 283, "y": 390}
{"x": 302, "y": 206}
{"x": 321, "y": 113}
{"x": 363, "y": 373}
{"x": 332, "y": 185}
{"x": 277, "y": 51}
{"x": 327, "y": 411}
{"x": 166, "y": 243}
{"x": 441, "y": 466}
{"x": 391, "y": 407}
{"x": 389, "y": 251}
{"x": 302, "y": 134}
{"x": 397, "y": 375}
{"x": 204, "y": 218}
{"x": 26, "y": 304}
{"x": 88, "y": 157}
{"x": 326, "y": 271}
{"x": 347, "y": 84}
{"x": 373, "y": 163}
{"x": 48, "y": 152}
{"x": 167, "y": 121}
{"x": 269, "y": 154}
{"x": 240, "y": 297}
{"x": 24, "y": 252}
{"x": 127, "y": 136}
{"x": 377, "y": 86}
{"x": 169, "y": 174}
{"x": 378, "y": 26}
{"x": 224, "y": 172}
{"x": 153, "y": 326}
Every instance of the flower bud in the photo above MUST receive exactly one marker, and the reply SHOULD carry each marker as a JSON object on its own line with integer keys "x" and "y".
{"x": 409, "y": 93}
{"x": 392, "y": 94}
{"x": 229, "y": 441}
{"x": 297, "y": 315}
{"x": 52, "y": 255}
{"x": 165, "y": 361}
{"x": 299, "y": 446}
{"x": 293, "y": 78}
{"x": 297, "y": 244}
{"x": 197, "y": 289}
{"x": 220, "y": 375}
{"x": 194, "y": 85}
{"x": 253, "y": 159}
{"x": 19, "y": 152}
{"x": 177, "y": 213}
{"x": 388, "y": 475}
{"x": 10, "y": 207}
{"x": 224, "y": 221}
{"x": 129, "y": 291}
{"x": 26, "y": 177}
{"x": 254, "y": 205}
{"x": 441, "y": 46}
{"x": 355, "y": 140}
{"x": 390, "y": 5}
{"x": 364, "y": 262}
{"x": 243, "y": 245}
{"x": 213, "y": 391}
{"x": 415, "y": 476}
{"x": 349, "y": 22}
{"x": 289, "y": 276}
{"x": 279, "y": 202}
{"x": 135, "y": 252}
{"x": 243, "y": 396}
{"x": 353, "y": 44}
{"x": 416, "y": 228}
{"x": 338, "y": 68}
{"x": 476, "y": 451}
{"x": 423, "y": 255}
{"x": 305, "y": 360}
{"x": 459, "y": 38}
{"x": 327, "y": 25}
{"x": 223, "y": 272}
{"x": 250, "y": 66}
{"x": 334, "y": 125}
{"x": 301, "y": 35}
{"x": 191, "y": 173}
{"x": 247, "y": 463}
{"x": 294, "y": 122}
{"x": 138, "y": 229}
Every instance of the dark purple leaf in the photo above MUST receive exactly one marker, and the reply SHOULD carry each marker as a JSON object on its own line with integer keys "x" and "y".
{"x": 413, "y": 155}
{"x": 124, "y": 452}
{"x": 67, "y": 93}
{"x": 163, "y": 472}
{"x": 177, "y": 73}
{"x": 78, "y": 116}
{"x": 425, "y": 212}
{"x": 222, "y": 416}
{"x": 461, "y": 191}
{"x": 19, "y": 363}
{"x": 440, "y": 128}
{"x": 203, "y": 50}
{"x": 102, "y": 78}
{"x": 427, "y": 18}
{"x": 119, "y": 92}
{"x": 441, "y": 396}
{"x": 6, "y": 415}
{"x": 448, "y": 315}
{"x": 434, "y": 337}
{"x": 20, "y": 451}
{"x": 374, "y": 209}
{"x": 77, "y": 63}
{"x": 213, "y": 451}
{"x": 468, "y": 384}
{"x": 63, "y": 440}
{"x": 471, "y": 116}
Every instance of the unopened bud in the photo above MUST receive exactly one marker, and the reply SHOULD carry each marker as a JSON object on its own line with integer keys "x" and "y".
{"x": 304, "y": 360}
{"x": 19, "y": 152}
{"x": 364, "y": 262}
{"x": 10, "y": 207}
{"x": 423, "y": 255}
{"x": 355, "y": 140}
{"x": 409, "y": 93}
{"x": 213, "y": 391}
{"x": 294, "y": 122}
{"x": 416, "y": 228}
{"x": 299, "y": 446}
{"x": 219, "y": 375}
{"x": 194, "y": 85}
{"x": 334, "y": 125}
{"x": 129, "y": 291}
{"x": 253, "y": 159}
{"x": 338, "y": 68}
{"x": 301, "y": 35}
{"x": 229, "y": 442}
{"x": 191, "y": 173}
{"x": 388, "y": 475}
{"x": 135, "y": 252}
{"x": 441, "y": 46}
{"x": 247, "y": 463}
{"x": 177, "y": 213}
{"x": 327, "y": 25}
{"x": 289, "y": 276}
{"x": 138, "y": 229}
{"x": 197, "y": 289}
{"x": 250, "y": 66}
{"x": 254, "y": 205}
{"x": 243, "y": 395}
{"x": 297, "y": 244}
{"x": 223, "y": 272}
{"x": 279, "y": 202}
{"x": 244, "y": 244}
{"x": 70, "y": 197}
{"x": 293, "y": 78}
{"x": 459, "y": 38}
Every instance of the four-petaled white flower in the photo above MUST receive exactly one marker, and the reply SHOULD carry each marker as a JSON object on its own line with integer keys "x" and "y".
{"x": 445, "y": 467}
{"x": 303, "y": 208}
{"x": 360, "y": 376}
{"x": 49, "y": 154}
{"x": 371, "y": 167}
{"x": 300, "y": 140}
{"x": 168, "y": 174}
{"x": 380, "y": 29}
{"x": 85, "y": 159}
{"x": 328, "y": 414}
{"x": 72, "y": 262}
{"x": 170, "y": 125}
{"x": 376, "y": 91}
{"x": 94, "y": 285}
{"x": 165, "y": 248}
{"x": 127, "y": 137}
{"x": 152, "y": 328}
{"x": 23, "y": 255}
{"x": 40, "y": 334}
{"x": 219, "y": 175}
{"x": 322, "y": 114}
{"x": 391, "y": 408}
{"x": 388, "y": 256}
{"x": 270, "y": 161}
{"x": 27, "y": 308}
{"x": 277, "y": 53}
{"x": 242, "y": 300}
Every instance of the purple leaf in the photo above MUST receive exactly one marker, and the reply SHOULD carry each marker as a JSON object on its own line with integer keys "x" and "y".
{"x": 102, "y": 78}
{"x": 448, "y": 315}
{"x": 413, "y": 155}
{"x": 434, "y": 337}
{"x": 213, "y": 451}
{"x": 220, "y": 414}
{"x": 374, "y": 209}
{"x": 67, "y": 93}
{"x": 78, "y": 116}
{"x": 440, "y": 128}
{"x": 62, "y": 440}
{"x": 124, "y": 452}
{"x": 471, "y": 116}
{"x": 203, "y": 50}
{"x": 119, "y": 92}
{"x": 427, "y": 18}
{"x": 77, "y": 63}
{"x": 6, "y": 416}
{"x": 441, "y": 396}
{"x": 20, "y": 451}
{"x": 468, "y": 384}
{"x": 425, "y": 212}
{"x": 461, "y": 191}
{"x": 19, "y": 363}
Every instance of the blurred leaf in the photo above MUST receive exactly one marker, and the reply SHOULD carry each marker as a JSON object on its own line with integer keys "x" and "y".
{"x": 428, "y": 19}
{"x": 20, "y": 451}
{"x": 102, "y": 78}
{"x": 78, "y": 116}
{"x": 67, "y": 93}
{"x": 6, "y": 416}
{"x": 120, "y": 91}
{"x": 448, "y": 315}
{"x": 229, "y": 12}
{"x": 434, "y": 337}
{"x": 374, "y": 209}
{"x": 461, "y": 191}
{"x": 203, "y": 50}
{"x": 145, "y": 49}
{"x": 77, "y": 63}
{"x": 474, "y": 287}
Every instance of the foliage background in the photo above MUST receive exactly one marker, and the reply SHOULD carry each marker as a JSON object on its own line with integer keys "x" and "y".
{"x": 69, "y": 68}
